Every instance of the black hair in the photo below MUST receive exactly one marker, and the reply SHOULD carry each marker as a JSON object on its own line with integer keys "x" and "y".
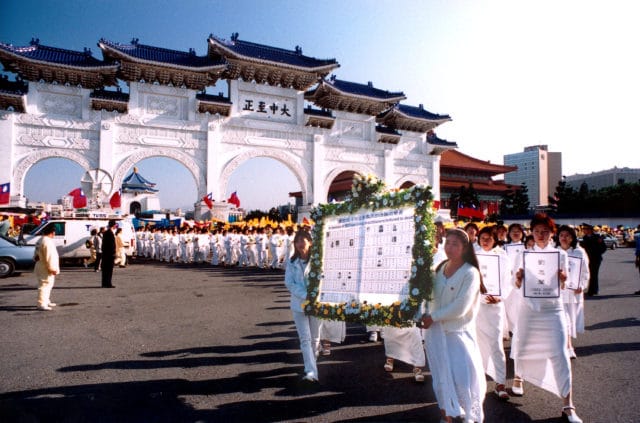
{"x": 300, "y": 234}
{"x": 572, "y": 232}
{"x": 491, "y": 230}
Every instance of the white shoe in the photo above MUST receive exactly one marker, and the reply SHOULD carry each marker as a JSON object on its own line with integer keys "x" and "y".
{"x": 518, "y": 391}
{"x": 569, "y": 414}
{"x": 52, "y": 304}
{"x": 572, "y": 353}
{"x": 44, "y": 308}
{"x": 373, "y": 336}
{"x": 310, "y": 377}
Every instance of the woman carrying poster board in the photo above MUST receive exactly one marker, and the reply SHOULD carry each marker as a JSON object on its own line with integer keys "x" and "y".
{"x": 450, "y": 339}
{"x": 577, "y": 283}
{"x": 539, "y": 342}
{"x": 495, "y": 269}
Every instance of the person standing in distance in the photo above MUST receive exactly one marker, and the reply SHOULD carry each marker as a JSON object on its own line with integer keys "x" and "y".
{"x": 47, "y": 267}
{"x": 595, "y": 247}
{"x": 108, "y": 254}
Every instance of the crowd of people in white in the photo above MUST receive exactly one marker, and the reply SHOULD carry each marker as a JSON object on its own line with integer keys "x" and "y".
{"x": 266, "y": 248}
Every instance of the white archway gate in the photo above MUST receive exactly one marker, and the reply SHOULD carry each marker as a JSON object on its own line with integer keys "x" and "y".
{"x": 163, "y": 121}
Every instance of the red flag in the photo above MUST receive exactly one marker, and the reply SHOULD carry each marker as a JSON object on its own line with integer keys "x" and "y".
{"x": 234, "y": 199}
{"x": 305, "y": 222}
{"x": 208, "y": 200}
{"x": 116, "y": 200}
{"x": 436, "y": 204}
{"x": 470, "y": 212}
{"x": 79, "y": 199}
{"x": 5, "y": 193}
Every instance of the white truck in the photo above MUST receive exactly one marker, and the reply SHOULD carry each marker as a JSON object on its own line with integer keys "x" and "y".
{"x": 72, "y": 233}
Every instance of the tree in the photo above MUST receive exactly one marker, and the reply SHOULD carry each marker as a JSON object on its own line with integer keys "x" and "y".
{"x": 515, "y": 202}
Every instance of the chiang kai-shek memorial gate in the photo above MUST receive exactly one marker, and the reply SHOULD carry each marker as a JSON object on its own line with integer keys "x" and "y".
{"x": 281, "y": 104}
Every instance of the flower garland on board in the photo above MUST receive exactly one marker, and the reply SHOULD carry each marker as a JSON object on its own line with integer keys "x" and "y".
{"x": 368, "y": 193}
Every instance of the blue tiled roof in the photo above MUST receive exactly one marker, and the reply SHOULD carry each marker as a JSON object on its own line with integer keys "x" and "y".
{"x": 213, "y": 98}
{"x": 135, "y": 182}
{"x": 110, "y": 95}
{"x": 38, "y": 52}
{"x": 432, "y": 138}
{"x": 160, "y": 55}
{"x": 18, "y": 87}
{"x": 270, "y": 54}
{"x": 420, "y": 113}
{"x": 366, "y": 90}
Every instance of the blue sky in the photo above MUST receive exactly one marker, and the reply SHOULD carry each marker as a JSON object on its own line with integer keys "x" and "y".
{"x": 509, "y": 73}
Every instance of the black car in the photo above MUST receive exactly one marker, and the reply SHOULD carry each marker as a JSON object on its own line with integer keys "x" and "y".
{"x": 15, "y": 256}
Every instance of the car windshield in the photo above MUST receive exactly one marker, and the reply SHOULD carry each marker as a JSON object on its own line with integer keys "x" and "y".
{"x": 10, "y": 239}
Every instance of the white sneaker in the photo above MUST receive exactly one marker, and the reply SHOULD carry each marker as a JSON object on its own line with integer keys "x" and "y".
{"x": 373, "y": 336}
{"x": 310, "y": 377}
{"x": 52, "y": 304}
{"x": 44, "y": 308}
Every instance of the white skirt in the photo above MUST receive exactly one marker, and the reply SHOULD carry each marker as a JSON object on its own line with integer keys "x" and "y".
{"x": 456, "y": 370}
{"x": 489, "y": 325}
{"x": 539, "y": 349}
{"x": 333, "y": 331}
{"x": 404, "y": 344}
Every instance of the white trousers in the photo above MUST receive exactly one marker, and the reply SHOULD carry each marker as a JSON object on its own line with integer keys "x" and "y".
{"x": 44, "y": 290}
{"x": 308, "y": 328}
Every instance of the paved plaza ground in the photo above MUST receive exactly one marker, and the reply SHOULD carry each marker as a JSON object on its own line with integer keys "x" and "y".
{"x": 176, "y": 343}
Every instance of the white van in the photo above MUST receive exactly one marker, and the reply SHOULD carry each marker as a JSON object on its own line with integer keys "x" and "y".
{"x": 71, "y": 235}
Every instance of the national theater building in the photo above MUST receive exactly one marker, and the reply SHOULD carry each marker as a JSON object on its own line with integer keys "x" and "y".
{"x": 280, "y": 104}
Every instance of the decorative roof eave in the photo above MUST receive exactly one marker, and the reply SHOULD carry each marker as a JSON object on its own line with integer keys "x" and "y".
{"x": 463, "y": 161}
{"x": 387, "y": 135}
{"x": 212, "y": 104}
{"x": 109, "y": 105}
{"x": 327, "y": 96}
{"x": 220, "y": 48}
{"x": 35, "y": 70}
{"x": 115, "y": 54}
{"x": 12, "y": 101}
{"x": 270, "y": 74}
{"x": 395, "y": 118}
{"x": 319, "y": 118}
{"x": 439, "y": 145}
{"x": 451, "y": 185}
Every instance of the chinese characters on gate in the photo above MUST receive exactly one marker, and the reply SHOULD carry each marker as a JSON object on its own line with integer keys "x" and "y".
{"x": 274, "y": 108}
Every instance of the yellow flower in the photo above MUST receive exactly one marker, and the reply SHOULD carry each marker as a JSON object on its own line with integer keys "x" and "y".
{"x": 326, "y": 312}
{"x": 387, "y": 321}
{"x": 339, "y": 311}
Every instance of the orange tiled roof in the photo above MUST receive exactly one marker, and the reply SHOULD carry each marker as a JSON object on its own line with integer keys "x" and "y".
{"x": 454, "y": 159}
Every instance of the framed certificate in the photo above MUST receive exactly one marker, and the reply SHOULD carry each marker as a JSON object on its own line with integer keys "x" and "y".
{"x": 370, "y": 260}
{"x": 541, "y": 274}
{"x": 575, "y": 269}
{"x": 491, "y": 273}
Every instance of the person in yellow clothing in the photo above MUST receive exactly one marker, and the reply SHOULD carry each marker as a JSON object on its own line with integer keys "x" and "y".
{"x": 47, "y": 267}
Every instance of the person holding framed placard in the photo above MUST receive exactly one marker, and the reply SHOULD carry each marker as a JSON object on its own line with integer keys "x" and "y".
{"x": 514, "y": 247}
{"x": 495, "y": 269}
{"x": 540, "y": 340}
{"x": 577, "y": 281}
{"x": 450, "y": 339}
{"x": 296, "y": 280}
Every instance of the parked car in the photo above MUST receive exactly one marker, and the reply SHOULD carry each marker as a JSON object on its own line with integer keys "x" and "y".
{"x": 610, "y": 241}
{"x": 15, "y": 256}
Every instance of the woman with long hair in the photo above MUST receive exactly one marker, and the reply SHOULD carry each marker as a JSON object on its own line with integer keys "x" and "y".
{"x": 573, "y": 299}
{"x": 450, "y": 339}
{"x": 540, "y": 340}
{"x": 296, "y": 279}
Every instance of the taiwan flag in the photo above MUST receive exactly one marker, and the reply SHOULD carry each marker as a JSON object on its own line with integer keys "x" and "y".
{"x": 116, "y": 200}
{"x": 208, "y": 200}
{"x": 470, "y": 212}
{"x": 79, "y": 199}
{"x": 234, "y": 199}
{"x": 5, "y": 193}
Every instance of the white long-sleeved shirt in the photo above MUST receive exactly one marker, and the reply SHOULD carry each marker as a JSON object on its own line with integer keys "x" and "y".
{"x": 456, "y": 299}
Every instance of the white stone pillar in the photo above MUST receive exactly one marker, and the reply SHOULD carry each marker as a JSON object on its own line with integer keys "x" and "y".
{"x": 214, "y": 141}
{"x": 106, "y": 149}
{"x": 6, "y": 152}
{"x": 389, "y": 168}
{"x": 316, "y": 190}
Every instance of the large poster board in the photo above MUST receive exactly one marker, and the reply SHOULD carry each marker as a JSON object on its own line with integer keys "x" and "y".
{"x": 367, "y": 256}
{"x": 371, "y": 256}
{"x": 541, "y": 274}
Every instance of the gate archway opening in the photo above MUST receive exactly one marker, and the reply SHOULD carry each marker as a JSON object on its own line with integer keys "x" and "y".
{"x": 340, "y": 188}
{"x": 50, "y": 179}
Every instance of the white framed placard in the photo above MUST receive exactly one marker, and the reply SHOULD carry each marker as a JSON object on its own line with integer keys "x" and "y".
{"x": 541, "y": 274}
{"x": 575, "y": 269}
{"x": 491, "y": 273}
{"x": 513, "y": 249}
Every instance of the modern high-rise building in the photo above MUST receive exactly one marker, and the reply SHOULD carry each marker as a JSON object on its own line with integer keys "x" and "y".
{"x": 539, "y": 169}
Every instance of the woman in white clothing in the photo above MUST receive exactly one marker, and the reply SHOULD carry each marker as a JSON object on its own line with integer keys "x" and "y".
{"x": 539, "y": 343}
{"x": 491, "y": 315}
{"x": 452, "y": 349}
{"x": 513, "y": 247}
{"x": 308, "y": 327}
{"x": 573, "y": 299}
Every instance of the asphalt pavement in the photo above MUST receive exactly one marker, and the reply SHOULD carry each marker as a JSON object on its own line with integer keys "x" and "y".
{"x": 195, "y": 343}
